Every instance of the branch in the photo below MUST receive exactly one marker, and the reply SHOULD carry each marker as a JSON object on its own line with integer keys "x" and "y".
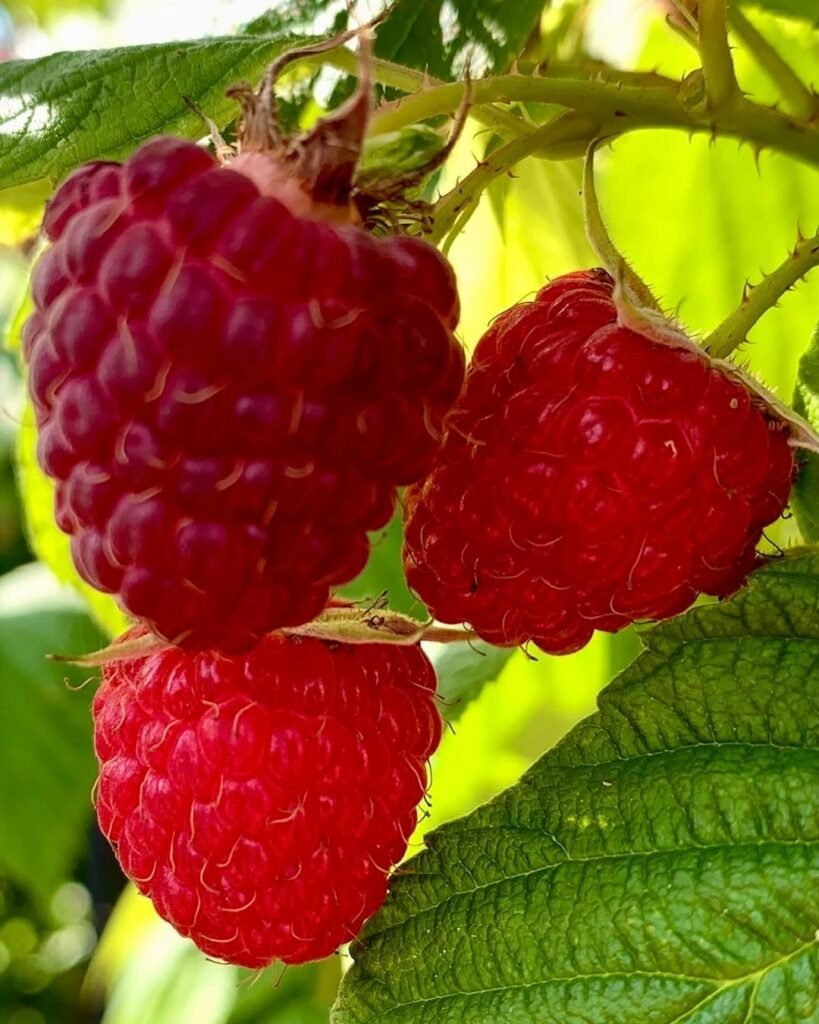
{"x": 568, "y": 134}
{"x": 617, "y": 106}
{"x": 717, "y": 64}
{"x": 758, "y": 299}
{"x": 801, "y": 100}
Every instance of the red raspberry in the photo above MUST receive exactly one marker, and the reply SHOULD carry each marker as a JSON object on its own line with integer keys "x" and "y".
{"x": 228, "y": 394}
{"x": 260, "y": 801}
{"x": 590, "y": 477}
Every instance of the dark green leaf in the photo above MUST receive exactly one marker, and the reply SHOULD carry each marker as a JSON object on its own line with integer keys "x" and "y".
{"x": 464, "y": 669}
{"x": 444, "y": 37}
{"x": 659, "y": 865}
{"x": 792, "y": 8}
{"x": 805, "y": 494}
{"x": 45, "y": 729}
{"x": 59, "y": 111}
{"x": 450, "y": 37}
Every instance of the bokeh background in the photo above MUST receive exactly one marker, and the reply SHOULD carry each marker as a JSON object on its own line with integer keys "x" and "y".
{"x": 696, "y": 218}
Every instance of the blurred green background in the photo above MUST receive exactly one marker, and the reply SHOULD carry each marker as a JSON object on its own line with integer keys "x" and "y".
{"x": 696, "y": 218}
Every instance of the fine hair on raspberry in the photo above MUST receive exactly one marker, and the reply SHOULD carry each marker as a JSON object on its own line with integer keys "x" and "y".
{"x": 591, "y": 476}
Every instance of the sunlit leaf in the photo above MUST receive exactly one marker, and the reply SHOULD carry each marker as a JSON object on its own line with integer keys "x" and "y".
{"x": 659, "y": 864}
{"x": 152, "y": 974}
{"x": 45, "y": 729}
{"x": 59, "y": 111}
{"x": 463, "y": 670}
{"x": 792, "y": 8}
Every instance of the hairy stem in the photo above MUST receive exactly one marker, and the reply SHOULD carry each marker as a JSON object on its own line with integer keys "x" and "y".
{"x": 601, "y": 241}
{"x": 567, "y": 134}
{"x": 758, "y": 299}
{"x": 617, "y": 108}
{"x": 799, "y": 99}
{"x": 618, "y": 101}
{"x": 717, "y": 64}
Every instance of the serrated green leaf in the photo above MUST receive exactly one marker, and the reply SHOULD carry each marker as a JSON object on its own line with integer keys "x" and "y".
{"x": 806, "y": 9}
{"x": 45, "y": 539}
{"x": 659, "y": 866}
{"x": 45, "y": 730}
{"x": 58, "y": 111}
{"x": 463, "y": 670}
{"x": 805, "y": 494}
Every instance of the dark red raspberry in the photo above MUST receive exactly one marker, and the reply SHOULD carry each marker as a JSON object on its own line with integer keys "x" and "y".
{"x": 590, "y": 477}
{"x": 260, "y": 801}
{"x": 227, "y": 394}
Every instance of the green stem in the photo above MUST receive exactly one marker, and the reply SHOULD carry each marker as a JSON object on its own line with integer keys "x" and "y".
{"x": 758, "y": 299}
{"x": 801, "y": 101}
{"x": 598, "y": 235}
{"x": 717, "y": 64}
{"x": 396, "y": 76}
{"x": 617, "y": 108}
{"x": 567, "y": 134}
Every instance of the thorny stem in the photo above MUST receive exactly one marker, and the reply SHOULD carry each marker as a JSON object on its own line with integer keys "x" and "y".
{"x": 801, "y": 101}
{"x": 617, "y": 108}
{"x": 761, "y": 297}
{"x": 717, "y": 64}
{"x": 397, "y": 76}
{"x": 618, "y": 101}
{"x": 456, "y": 206}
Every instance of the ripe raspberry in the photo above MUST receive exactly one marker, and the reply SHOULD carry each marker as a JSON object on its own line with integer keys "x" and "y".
{"x": 228, "y": 394}
{"x": 261, "y": 800}
{"x": 590, "y": 477}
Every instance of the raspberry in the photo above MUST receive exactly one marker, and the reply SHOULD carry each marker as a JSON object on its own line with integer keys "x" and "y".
{"x": 228, "y": 394}
{"x": 260, "y": 800}
{"x": 590, "y": 477}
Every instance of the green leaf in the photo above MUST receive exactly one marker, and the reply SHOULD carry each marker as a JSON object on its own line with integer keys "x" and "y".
{"x": 463, "y": 670}
{"x": 45, "y": 539}
{"x": 805, "y": 494}
{"x": 45, "y": 730}
{"x": 58, "y": 111}
{"x": 450, "y": 37}
{"x": 806, "y": 9}
{"x": 384, "y": 573}
{"x": 658, "y": 866}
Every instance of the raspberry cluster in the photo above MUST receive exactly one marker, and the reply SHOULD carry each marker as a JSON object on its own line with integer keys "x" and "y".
{"x": 590, "y": 476}
{"x": 261, "y": 800}
{"x": 228, "y": 394}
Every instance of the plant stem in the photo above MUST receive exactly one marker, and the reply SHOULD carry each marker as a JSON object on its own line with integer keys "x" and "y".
{"x": 758, "y": 299}
{"x": 801, "y": 101}
{"x": 408, "y": 80}
{"x": 601, "y": 241}
{"x": 717, "y": 64}
{"x": 568, "y": 131}
{"x": 617, "y": 108}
